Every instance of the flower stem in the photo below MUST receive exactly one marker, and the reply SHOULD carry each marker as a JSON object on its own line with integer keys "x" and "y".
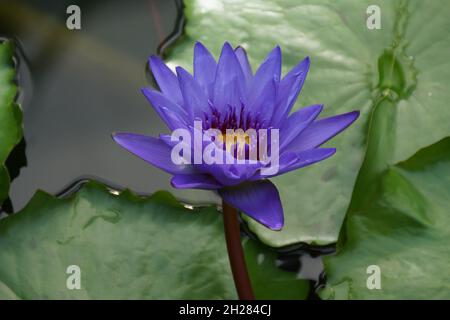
{"x": 235, "y": 253}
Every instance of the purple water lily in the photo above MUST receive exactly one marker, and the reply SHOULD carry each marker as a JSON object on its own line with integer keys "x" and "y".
{"x": 227, "y": 95}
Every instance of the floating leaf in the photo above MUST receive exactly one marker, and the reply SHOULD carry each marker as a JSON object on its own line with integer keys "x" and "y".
{"x": 403, "y": 230}
{"x": 127, "y": 247}
{"x": 10, "y": 114}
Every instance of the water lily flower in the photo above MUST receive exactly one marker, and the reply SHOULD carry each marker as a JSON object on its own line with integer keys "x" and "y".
{"x": 228, "y": 95}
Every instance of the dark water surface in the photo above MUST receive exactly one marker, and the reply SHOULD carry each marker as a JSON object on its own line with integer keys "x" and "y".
{"x": 79, "y": 86}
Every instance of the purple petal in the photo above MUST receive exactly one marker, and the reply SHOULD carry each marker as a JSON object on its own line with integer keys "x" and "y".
{"x": 269, "y": 70}
{"x": 290, "y": 161}
{"x": 321, "y": 131}
{"x": 229, "y": 83}
{"x": 297, "y": 122}
{"x": 259, "y": 200}
{"x": 308, "y": 157}
{"x": 195, "y": 99}
{"x": 171, "y": 113}
{"x": 195, "y": 181}
{"x": 225, "y": 174}
{"x": 263, "y": 105}
{"x": 289, "y": 89}
{"x": 245, "y": 65}
{"x": 152, "y": 150}
{"x": 166, "y": 79}
{"x": 204, "y": 68}
{"x": 229, "y": 174}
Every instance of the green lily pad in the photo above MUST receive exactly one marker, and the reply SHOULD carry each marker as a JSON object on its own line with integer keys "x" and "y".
{"x": 352, "y": 67}
{"x": 404, "y": 230}
{"x": 10, "y": 114}
{"x": 127, "y": 247}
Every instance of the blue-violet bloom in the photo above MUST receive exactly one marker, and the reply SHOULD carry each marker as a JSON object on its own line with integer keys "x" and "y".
{"x": 228, "y": 95}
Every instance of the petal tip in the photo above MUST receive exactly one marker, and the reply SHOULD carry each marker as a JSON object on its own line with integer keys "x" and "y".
{"x": 352, "y": 116}
{"x": 276, "y": 54}
{"x": 239, "y": 49}
{"x": 117, "y": 136}
{"x": 356, "y": 114}
{"x": 154, "y": 59}
{"x": 200, "y": 47}
{"x": 227, "y": 46}
{"x": 303, "y": 67}
{"x": 306, "y": 63}
{"x": 181, "y": 71}
{"x": 318, "y": 109}
{"x": 276, "y": 227}
{"x": 173, "y": 183}
{"x": 332, "y": 152}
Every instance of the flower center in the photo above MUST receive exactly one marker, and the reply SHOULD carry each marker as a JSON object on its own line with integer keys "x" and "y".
{"x": 240, "y": 130}
{"x": 238, "y": 138}
{"x": 231, "y": 118}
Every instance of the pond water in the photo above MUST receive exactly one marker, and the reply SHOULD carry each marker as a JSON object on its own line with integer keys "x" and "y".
{"x": 81, "y": 85}
{"x": 78, "y": 86}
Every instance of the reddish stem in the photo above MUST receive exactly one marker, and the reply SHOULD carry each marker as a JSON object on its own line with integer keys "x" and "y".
{"x": 235, "y": 253}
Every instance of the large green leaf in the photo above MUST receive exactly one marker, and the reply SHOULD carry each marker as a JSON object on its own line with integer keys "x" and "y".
{"x": 10, "y": 114}
{"x": 352, "y": 67}
{"x": 396, "y": 220}
{"x": 127, "y": 247}
{"x": 404, "y": 230}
